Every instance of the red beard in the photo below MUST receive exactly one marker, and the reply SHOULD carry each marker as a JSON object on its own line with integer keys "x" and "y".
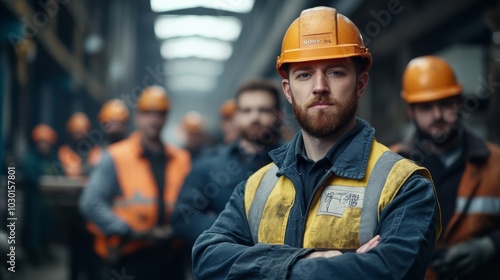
{"x": 324, "y": 123}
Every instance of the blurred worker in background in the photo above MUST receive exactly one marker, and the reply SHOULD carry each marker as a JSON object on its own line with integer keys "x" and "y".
{"x": 213, "y": 178}
{"x": 77, "y": 159}
{"x": 227, "y": 122}
{"x": 333, "y": 190}
{"x": 131, "y": 194}
{"x": 38, "y": 226}
{"x": 113, "y": 118}
{"x": 77, "y": 155}
{"x": 197, "y": 140}
{"x": 465, "y": 169}
{"x": 227, "y": 128}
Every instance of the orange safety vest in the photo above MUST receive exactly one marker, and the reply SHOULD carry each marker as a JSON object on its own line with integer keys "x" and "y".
{"x": 478, "y": 208}
{"x": 137, "y": 205}
{"x": 72, "y": 163}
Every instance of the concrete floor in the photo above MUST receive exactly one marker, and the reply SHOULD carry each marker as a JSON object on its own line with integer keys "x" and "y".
{"x": 55, "y": 269}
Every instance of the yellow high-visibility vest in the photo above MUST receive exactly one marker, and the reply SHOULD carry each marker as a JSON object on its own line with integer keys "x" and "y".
{"x": 344, "y": 212}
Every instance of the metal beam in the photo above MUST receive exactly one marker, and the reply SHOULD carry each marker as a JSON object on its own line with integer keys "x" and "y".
{"x": 49, "y": 40}
{"x": 417, "y": 24}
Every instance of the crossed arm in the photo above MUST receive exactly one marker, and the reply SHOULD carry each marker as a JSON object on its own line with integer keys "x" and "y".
{"x": 407, "y": 232}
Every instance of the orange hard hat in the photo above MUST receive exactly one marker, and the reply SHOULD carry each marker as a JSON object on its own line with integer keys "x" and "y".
{"x": 78, "y": 122}
{"x": 228, "y": 108}
{"x": 114, "y": 110}
{"x": 321, "y": 33}
{"x": 193, "y": 122}
{"x": 427, "y": 79}
{"x": 153, "y": 98}
{"x": 43, "y": 132}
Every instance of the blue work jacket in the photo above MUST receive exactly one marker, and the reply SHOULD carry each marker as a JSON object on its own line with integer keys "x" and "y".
{"x": 209, "y": 186}
{"x": 407, "y": 226}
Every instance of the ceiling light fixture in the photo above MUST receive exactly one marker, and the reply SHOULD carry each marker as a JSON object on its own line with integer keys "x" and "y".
{"x": 190, "y": 84}
{"x": 239, "y": 6}
{"x": 202, "y": 67}
{"x": 196, "y": 47}
{"x": 222, "y": 28}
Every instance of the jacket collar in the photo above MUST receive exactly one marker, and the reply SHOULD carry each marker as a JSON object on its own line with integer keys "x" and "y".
{"x": 350, "y": 164}
{"x": 475, "y": 148}
{"x": 234, "y": 148}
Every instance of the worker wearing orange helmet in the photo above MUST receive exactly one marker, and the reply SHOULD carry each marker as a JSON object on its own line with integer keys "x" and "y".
{"x": 227, "y": 123}
{"x": 216, "y": 174}
{"x": 465, "y": 169}
{"x": 113, "y": 117}
{"x": 131, "y": 193}
{"x": 194, "y": 130}
{"x": 113, "y": 120}
{"x": 40, "y": 161}
{"x": 334, "y": 203}
{"x": 76, "y": 156}
{"x": 228, "y": 128}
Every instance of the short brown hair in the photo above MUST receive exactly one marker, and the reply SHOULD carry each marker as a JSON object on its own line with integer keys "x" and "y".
{"x": 261, "y": 84}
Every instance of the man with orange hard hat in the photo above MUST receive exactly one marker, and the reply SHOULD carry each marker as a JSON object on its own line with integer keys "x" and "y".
{"x": 131, "y": 193}
{"x": 228, "y": 127}
{"x": 334, "y": 203}
{"x": 227, "y": 123}
{"x": 75, "y": 155}
{"x": 196, "y": 139}
{"x": 113, "y": 118}
{"x": 465, "y": 169}
{"x": 213, "y": 177}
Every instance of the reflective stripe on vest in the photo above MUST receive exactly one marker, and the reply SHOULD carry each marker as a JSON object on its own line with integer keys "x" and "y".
{"x": 479, "y": 205}
{"x": 369, "y": 217}
{"x": 389, "y": 169}
{"x": 257, "y": 208}
{"x": 138, "y": 204}
{"x": 369, "y": 214}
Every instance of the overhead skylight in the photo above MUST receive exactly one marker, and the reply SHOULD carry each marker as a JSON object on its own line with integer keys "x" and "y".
{"x": 222, "y": 28}
{"x": 202, "y": 67}
{"x": 239, "y": 6}
{"x": 191, "y": 83}
{"x": 196, "y": 47}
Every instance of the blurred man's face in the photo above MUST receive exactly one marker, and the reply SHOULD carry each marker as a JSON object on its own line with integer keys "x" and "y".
{"x": 256, "y": 117}
{"x": 150, "y": 123}
{"x": 324, "y": 94}
{"x": 43, "y": 147}
{"x": 115, "y": 130}
{"x": 438, "y": 121}
{"x": 195, "y": 139}
{"x": 79, "y": 136}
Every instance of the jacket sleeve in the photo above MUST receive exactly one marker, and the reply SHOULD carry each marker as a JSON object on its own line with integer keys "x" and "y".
{"x": 97, "y": 197}
{"x": 226, "y": 250}
{"x": 192, "y": 209}
{"x": 408, "y": 234}
{"x": 495, "y": 236}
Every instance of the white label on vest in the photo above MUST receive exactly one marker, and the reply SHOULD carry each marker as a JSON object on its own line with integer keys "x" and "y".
{"x": 336, "y": 199}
